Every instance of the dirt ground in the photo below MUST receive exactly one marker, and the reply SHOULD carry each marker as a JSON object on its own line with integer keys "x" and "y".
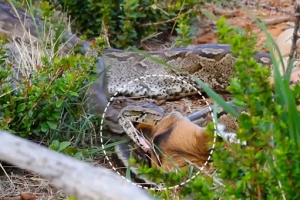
{"x": 275, "y": 21}
{"x": 17, "y": 184}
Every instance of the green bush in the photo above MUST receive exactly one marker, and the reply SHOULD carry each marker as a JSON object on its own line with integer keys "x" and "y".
{"x": 44, "y": 92}
{"x": 126, "y": 22}
{"x": 39, "y": 103}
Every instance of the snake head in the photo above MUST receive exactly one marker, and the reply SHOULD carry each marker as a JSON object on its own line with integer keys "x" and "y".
{"x": 145, "y": 113}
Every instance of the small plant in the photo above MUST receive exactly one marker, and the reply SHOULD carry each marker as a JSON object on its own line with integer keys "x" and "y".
{"x": 158, "y": 175}
{"x": 69, "y": 149}
{"x": 183, "y": 31}
{"x": 38, "y": 102}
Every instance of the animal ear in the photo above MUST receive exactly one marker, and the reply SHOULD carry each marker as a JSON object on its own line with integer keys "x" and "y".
{"x": 200, "y": 131}
{"x": 175, "y": 115}
{"x": 177, "y": 109}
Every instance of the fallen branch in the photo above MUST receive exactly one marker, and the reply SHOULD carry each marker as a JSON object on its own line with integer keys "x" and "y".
{"x": 295, "y": 36}
{"x": 278, "y": 20}
{"x": 73, "y": 176}
{"x": 223, "y": 12}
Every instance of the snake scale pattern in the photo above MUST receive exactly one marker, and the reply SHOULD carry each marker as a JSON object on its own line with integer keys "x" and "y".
{"x": 211, "y": 63}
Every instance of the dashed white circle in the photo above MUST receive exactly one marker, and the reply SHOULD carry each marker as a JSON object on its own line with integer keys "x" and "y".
{"x": 157, "y": 187}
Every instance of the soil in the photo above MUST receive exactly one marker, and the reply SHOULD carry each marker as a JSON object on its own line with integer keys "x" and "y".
{"x": 16, "y": 184}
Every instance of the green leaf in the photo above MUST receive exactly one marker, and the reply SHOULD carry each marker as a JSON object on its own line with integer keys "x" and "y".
{"x": 63, "y": 145}
{"x": 75, "y": 94}
{"x": 30, "y": 113}
{"x": 52, "y": 125}
{"x": 72, "y": 198}
{"x": 54, "y": 145}
{"x": 21, "y": 107}
{"x": 58, "y": 104}
{"x": 284, "y": 94}
{"x": 78, "y": 154}
{"x": 128, "y": 175}
{"x": 44, "y": 127}
{"x": 70, "y": 150}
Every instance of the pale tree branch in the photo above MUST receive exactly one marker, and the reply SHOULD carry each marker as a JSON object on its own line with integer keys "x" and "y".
{"x": 74, "y": 177}
{"x": 295, "y": 36}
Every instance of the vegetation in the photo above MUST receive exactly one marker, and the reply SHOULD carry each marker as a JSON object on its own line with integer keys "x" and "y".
{"x": 49, "y": 102}
{"x": 126, "y": 23}
{"x": 268, "y": 167}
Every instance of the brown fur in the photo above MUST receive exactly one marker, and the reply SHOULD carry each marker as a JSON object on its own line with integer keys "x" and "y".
{"x": 178, "y": 140}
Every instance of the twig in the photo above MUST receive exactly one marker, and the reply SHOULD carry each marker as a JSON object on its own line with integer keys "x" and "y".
{"x": 170, "y": 20}
{"x": 258, "y": 192}
{"x": 295, "y": 38}
{"x": 174, "y": 25}
{"x": 226, "y": 13}
{"x": 273, "y": 21}
{"x": 56, "y": 75}
{"x": 2, "y": 95}
{"x": 151, "y": 36}
{"x": 6, "y": 174}
{"x": 105, "y": 33}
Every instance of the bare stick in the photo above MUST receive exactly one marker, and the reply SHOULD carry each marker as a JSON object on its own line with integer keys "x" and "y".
{"x": 226, "y": 13}
{"x": 278, "y": 20}
{"x": 73, "y": 176}
{"x": 295, "y": 36}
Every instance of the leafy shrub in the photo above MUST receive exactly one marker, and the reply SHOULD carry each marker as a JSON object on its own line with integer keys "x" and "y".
{"x": 43, "y": 91}
{"x": 126, "y": 22}
{"x": 40, "y": 102}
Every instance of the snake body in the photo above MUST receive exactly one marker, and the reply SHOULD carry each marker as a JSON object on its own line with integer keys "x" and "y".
{"x": 211, "y": 63}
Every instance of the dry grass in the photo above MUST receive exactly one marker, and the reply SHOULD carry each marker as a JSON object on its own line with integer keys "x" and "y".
{"x": 15, "y": 182}
{"x": 26, "y": 53}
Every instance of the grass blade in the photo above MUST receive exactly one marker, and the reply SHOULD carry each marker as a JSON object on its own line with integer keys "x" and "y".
{"x": 217, "y": 98}
{"x": 283, "y": 93}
